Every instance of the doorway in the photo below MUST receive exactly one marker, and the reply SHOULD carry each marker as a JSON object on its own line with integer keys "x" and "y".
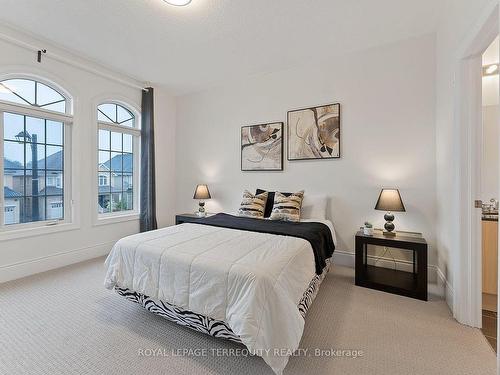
{"x": 467, "y": 294}
{"x": 490, "y": 188}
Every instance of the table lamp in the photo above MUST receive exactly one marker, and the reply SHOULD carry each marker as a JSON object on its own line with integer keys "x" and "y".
{"x": 390, "y": 200}
{"x": 201, "y": 193}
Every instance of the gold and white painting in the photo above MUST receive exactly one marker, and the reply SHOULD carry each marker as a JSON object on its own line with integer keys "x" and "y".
{"x": 314, "y": 133}
{"x": 262, "y": 147}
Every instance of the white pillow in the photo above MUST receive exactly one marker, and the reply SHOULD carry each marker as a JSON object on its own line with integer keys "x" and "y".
{"x": 314, "y": 207}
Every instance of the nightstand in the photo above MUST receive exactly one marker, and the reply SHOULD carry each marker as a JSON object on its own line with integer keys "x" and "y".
{"x": 409, "y": 284}
{"x": 188, "y": 218}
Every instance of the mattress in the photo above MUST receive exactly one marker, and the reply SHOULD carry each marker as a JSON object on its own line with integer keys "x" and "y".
{"x": 253, "y": 282}
{"x": 206, "y": 324}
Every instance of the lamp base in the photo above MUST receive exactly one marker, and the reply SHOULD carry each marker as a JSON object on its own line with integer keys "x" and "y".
{"x": 201, "y": 209}
{"x": 389, "y": 225}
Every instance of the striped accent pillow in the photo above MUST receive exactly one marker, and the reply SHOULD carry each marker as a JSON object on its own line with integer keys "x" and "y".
{"x": 287, "y": 208}
{"x": 253, "y": 205}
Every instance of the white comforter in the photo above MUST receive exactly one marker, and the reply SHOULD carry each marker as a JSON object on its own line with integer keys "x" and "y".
{"x": 252, "y": 281}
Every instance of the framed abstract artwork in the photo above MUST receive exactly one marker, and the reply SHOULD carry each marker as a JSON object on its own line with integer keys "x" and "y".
{"x": 314, "y": 133}
{"x": 262, "y": 147}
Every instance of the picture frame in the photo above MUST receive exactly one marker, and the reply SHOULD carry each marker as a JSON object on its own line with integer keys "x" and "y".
{"x": 262, "y": 147}
{"x": 314, "y": 133}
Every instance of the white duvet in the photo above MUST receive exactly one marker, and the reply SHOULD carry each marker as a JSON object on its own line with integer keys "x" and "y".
{"x": 252, "y": 281}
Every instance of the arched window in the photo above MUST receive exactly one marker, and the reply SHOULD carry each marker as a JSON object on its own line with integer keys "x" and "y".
{"x": 115, "y": 114}
{"x": 118, "y": 144}
{"x": 32, "y": 93}
{"x": 35, "y": 126}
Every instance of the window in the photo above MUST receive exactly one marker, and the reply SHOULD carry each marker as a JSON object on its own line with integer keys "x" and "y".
{"x": 34, "y": 126}
{"x": 118, "y": 141}
{"x": 115, "y": 114}
{"x": 55, "y": 181}
{"x": 103, "y": 180}
{"x": 32, "y": 93}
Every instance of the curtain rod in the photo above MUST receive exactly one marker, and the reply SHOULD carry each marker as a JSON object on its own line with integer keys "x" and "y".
{"x": 64, "y": 60}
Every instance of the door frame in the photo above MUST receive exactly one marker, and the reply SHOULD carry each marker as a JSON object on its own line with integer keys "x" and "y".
{"x": 467, "y": 299}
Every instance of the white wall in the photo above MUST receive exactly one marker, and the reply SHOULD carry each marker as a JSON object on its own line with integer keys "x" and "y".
{"x": 165, "y": 117}
{"x": 490, "y": 166}
{"x": 455, "y": 27}
{"x": 490, "y": 90}
{"x": 490, "y": 95}
{"x": 31, "y": 254}
{"x": 387, "y": 96}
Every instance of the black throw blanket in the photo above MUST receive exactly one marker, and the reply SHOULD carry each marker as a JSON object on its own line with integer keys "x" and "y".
{"x": 318, "y": 234}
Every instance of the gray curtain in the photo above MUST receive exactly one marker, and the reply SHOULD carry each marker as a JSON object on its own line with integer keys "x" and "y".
{"x": 148, "y": 196}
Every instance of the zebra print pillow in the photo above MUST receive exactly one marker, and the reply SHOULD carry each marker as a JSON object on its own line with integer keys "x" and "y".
{"x": 287, "y": 208}
{"x": 253, "y": 205}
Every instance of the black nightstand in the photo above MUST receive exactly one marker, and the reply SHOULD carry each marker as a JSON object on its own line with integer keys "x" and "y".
{"x": 188, "y": 218}
{"x": 409, "y": 284}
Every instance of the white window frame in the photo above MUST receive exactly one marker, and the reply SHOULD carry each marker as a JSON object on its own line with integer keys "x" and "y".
{"x": 105, "y": 179}
{"x": 19, "y": 230}
{"x": 113, "y": 217}
{"x": 57, "y": 180}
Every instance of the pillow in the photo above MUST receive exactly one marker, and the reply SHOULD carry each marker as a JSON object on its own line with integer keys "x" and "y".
{"x": 253, "y": 205}
{"x": 287, "y": 208}
{"x": 270, "y": 200}
{"x": 314, "y": 207}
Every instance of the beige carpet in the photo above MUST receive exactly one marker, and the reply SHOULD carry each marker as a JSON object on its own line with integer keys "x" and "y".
{"x": 65, "y": 322}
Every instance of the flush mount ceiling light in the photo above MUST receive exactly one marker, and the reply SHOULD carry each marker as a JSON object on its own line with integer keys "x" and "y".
{"x": 490, "y": 70}
{"x": 178, "y": 3}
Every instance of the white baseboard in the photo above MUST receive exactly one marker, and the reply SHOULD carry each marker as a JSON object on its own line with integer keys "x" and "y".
{"x": 438, "y": 285}
{"x": 343, "y": 258}
{"x": 448, "y": 289}
{"x": 53, "y": 261}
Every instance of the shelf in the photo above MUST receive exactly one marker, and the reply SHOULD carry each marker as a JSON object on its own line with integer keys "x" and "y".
{"x": 388, "y": 280}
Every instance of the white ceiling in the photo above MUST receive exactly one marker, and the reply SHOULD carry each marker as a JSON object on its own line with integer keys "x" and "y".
{"x": 210, "y": 41}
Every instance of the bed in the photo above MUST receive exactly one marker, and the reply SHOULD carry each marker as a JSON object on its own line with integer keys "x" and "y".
{"x": 242, "y": 279}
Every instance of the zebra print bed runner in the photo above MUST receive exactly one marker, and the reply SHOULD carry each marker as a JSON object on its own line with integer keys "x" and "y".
{"x": 205, "y": 324}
